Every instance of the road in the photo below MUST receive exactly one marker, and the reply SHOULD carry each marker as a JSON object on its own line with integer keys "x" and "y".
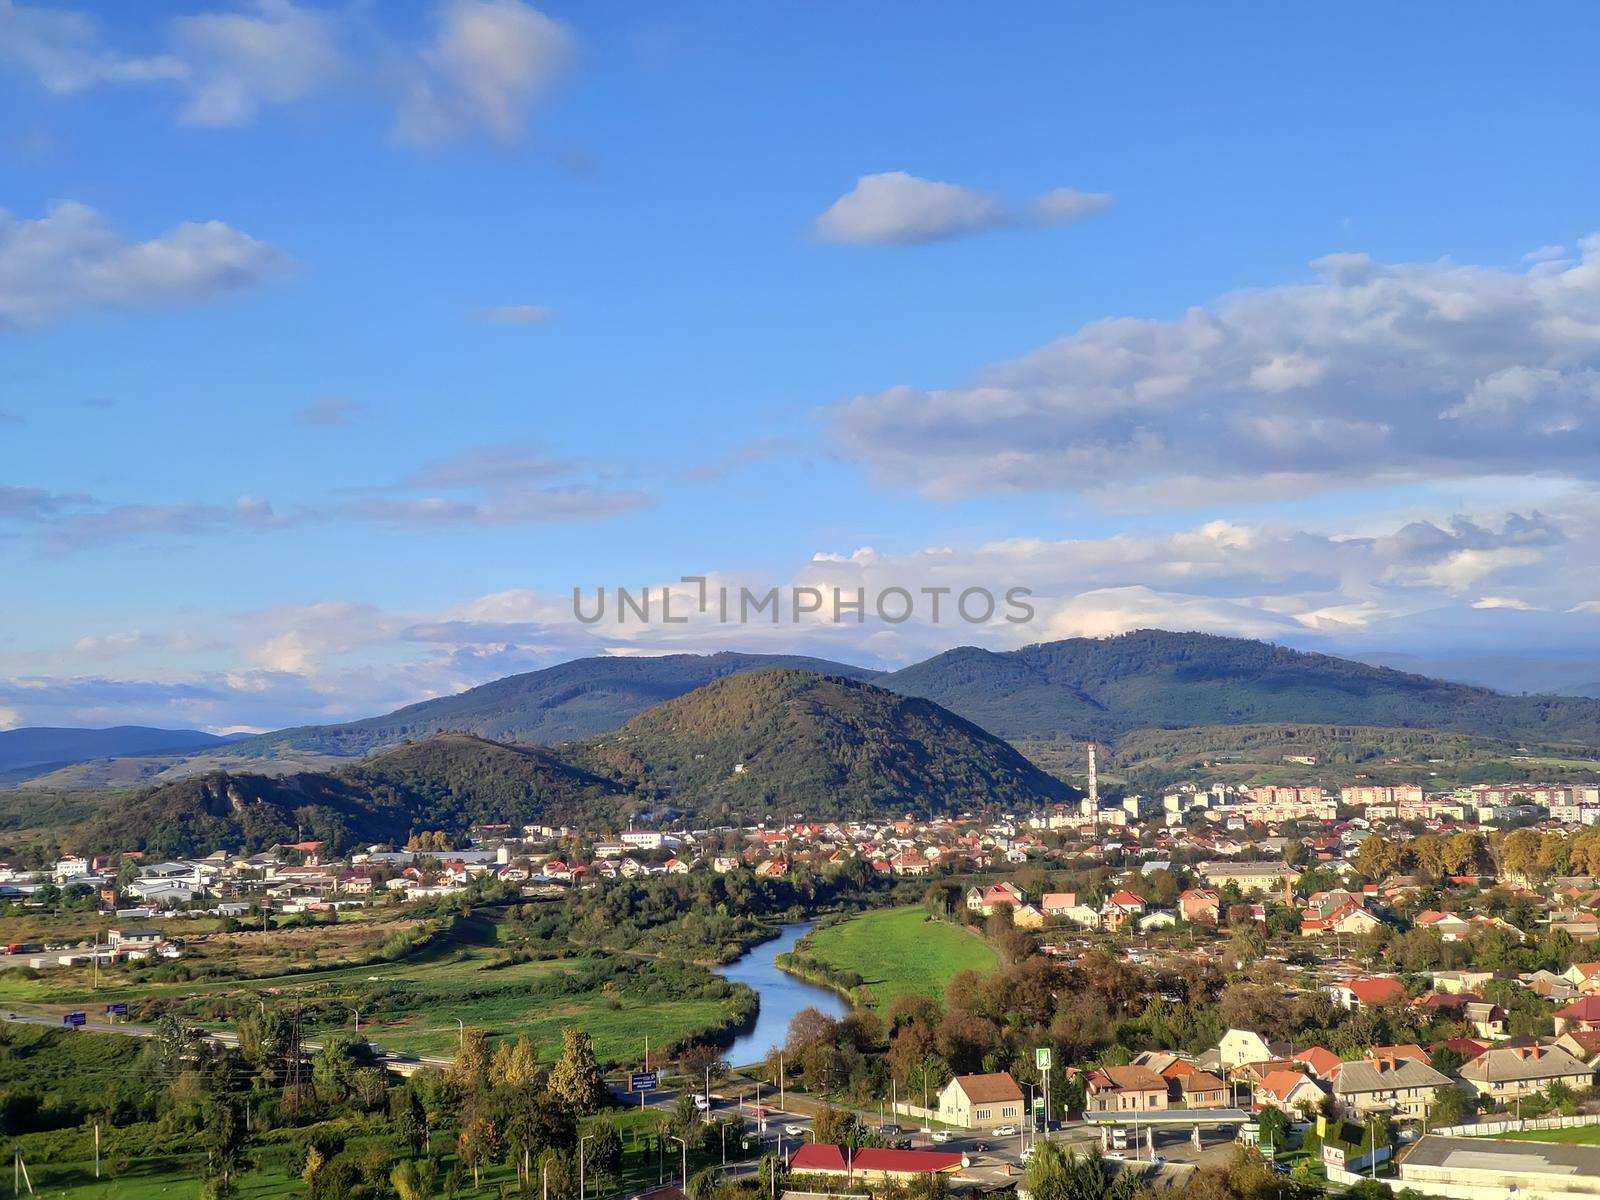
{"x": 999, "y": 1160}
{"x": 993, "y": 1160}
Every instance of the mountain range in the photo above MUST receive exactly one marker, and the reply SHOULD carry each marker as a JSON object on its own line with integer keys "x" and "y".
{"x": 1076, "y": 689}
{"x": 25, "y": 752}
{"x": 769, "y": 741}
{"x": 601, "y": 738}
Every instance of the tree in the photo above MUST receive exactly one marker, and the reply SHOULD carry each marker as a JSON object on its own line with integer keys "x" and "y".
{"x": 476, "y": 1144}
{"x": 1058, "y": 1174}
{"x": 1274, "y": 1127}
{"x": 1449, "y": 1105}
{"x": 836, "y": 1127}
{"x": 470, "y": 1071}
{"x": 408, "y": 1118}
{"x": 576, "y": 1083}
{"x": 515, "y": 1064}
{"x": 414, "y": 1180}
{"x": 604, "y": 1151}
{"x": 685, "y": 1116}
{"x": 224, "y": 1139}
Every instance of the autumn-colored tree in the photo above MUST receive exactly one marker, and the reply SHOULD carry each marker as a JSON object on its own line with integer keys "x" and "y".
{"x": 476, "y": 1144}
{"x": 575, "y": 1082}
{"x": 515, "y": 1064}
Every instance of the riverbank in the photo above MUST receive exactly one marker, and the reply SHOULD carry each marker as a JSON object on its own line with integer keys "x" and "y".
{"x": 874, "y": 957}
{"x": 779, "y": 995}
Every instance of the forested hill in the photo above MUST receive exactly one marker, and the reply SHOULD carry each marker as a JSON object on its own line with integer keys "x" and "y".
{"x": 574, "y": 700}
{"x": 1103, "y": 687}
{"x": 448, "y": 782}
{"x": 797, "y": 741}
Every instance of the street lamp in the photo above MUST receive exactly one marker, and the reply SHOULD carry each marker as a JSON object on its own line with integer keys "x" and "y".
{"x": 685, "y": 1146}
{"x": 461, "y": 1038}
{"x": 582, "y": 1191}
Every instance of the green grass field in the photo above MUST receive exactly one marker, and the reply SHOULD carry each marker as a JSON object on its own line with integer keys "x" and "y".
{"x": 420, "y": 998}
{"x": 899, "y": 950}
{"x": 1581, "y": 1135}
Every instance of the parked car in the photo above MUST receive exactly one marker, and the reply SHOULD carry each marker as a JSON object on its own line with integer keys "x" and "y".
{"x": 942, "y": 1135}
{"x": 890, "y": 1128}
{"x": 1005, "y": 1131}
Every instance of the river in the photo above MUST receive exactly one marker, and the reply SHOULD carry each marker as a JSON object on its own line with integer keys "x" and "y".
{"x": 782, "y": 996}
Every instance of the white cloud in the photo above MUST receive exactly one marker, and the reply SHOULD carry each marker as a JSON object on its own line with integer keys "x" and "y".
{"x": 896, "y": 208}
{"x": 1371, "y": 373}
{"x": 239, "y": 62}
{"x": 490, "y": 62}
{"x": 71, "y": 261}
{"x": 63, "y": 51}
{"x": 1511, "y": 602}
{"x": 1324, "y": 588}
{"x": 486, "y": 65}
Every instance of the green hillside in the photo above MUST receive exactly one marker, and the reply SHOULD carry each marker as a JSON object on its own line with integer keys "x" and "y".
{"x": 1103, "y": 687}
{"x": 447, "y": 782}
{"x": 800, "y": 741}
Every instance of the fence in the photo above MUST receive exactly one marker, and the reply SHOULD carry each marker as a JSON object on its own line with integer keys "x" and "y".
{"x": 1512, "y": 1125}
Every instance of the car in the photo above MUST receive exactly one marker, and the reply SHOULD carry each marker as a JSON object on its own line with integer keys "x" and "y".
{"x": 942, "y": 1135}
{"x": 1029, "y": 1151}
{"x": 701, "y": 1102}
{"x": 1005, "y": 1131}
{"x": 890, "y": 1128}
{"x": 795, "y": 1130}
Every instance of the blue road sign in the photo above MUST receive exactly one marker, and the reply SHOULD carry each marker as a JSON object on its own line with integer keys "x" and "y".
{"x": 644, "y": 1081}
{"x": 117, "y": 1010}
{"x": 75, "y": 1019}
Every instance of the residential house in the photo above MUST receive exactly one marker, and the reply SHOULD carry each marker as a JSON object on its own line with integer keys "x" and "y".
{"x": 1202, "y": 1089}
{"x": 981, "y": 1101}
{"x": 1289, "y": 1091}
{"x": 1121, "y": 907}
{"x": 1202, "y": 906}
{"x": 1512, "y": 1071}
{"x": 1323, "y": 1064}
{"x": 1356, "y": 994}
{"x": 988, "y": 900}
{"x": 1124, "y": 1089}
{"x": 1027, "y": 917}
{"x": 1240, "y": 1046}
{"x": 1402, "y": 1087}
{"x": 1583, "y": 1013}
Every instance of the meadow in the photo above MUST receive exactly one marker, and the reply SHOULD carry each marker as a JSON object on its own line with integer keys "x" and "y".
{"x": 413, "y": 1005}
{"x": 900, "y": 950}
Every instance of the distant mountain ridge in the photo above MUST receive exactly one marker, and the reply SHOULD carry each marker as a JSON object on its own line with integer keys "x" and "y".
{"x": 43, "y": 747}
{"x": 567, "y": 702}
{"x": 773, "y": 740}
{"x": 1076, "y": 689}
{"x": 1153, "y": 679}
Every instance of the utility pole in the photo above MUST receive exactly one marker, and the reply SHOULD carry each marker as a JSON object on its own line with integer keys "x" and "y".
{"x": 97, "y": 1149}
{"x": 685, "y": 1146}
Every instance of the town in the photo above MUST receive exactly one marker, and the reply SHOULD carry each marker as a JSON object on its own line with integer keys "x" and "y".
{"x": 1346, "y": 985}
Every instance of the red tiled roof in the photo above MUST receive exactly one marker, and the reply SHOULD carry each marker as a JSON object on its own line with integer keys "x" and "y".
{"x": 1587, "y": 1009}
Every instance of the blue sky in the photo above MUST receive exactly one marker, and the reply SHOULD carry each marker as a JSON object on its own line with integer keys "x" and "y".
{"x": 339, "y": 342}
